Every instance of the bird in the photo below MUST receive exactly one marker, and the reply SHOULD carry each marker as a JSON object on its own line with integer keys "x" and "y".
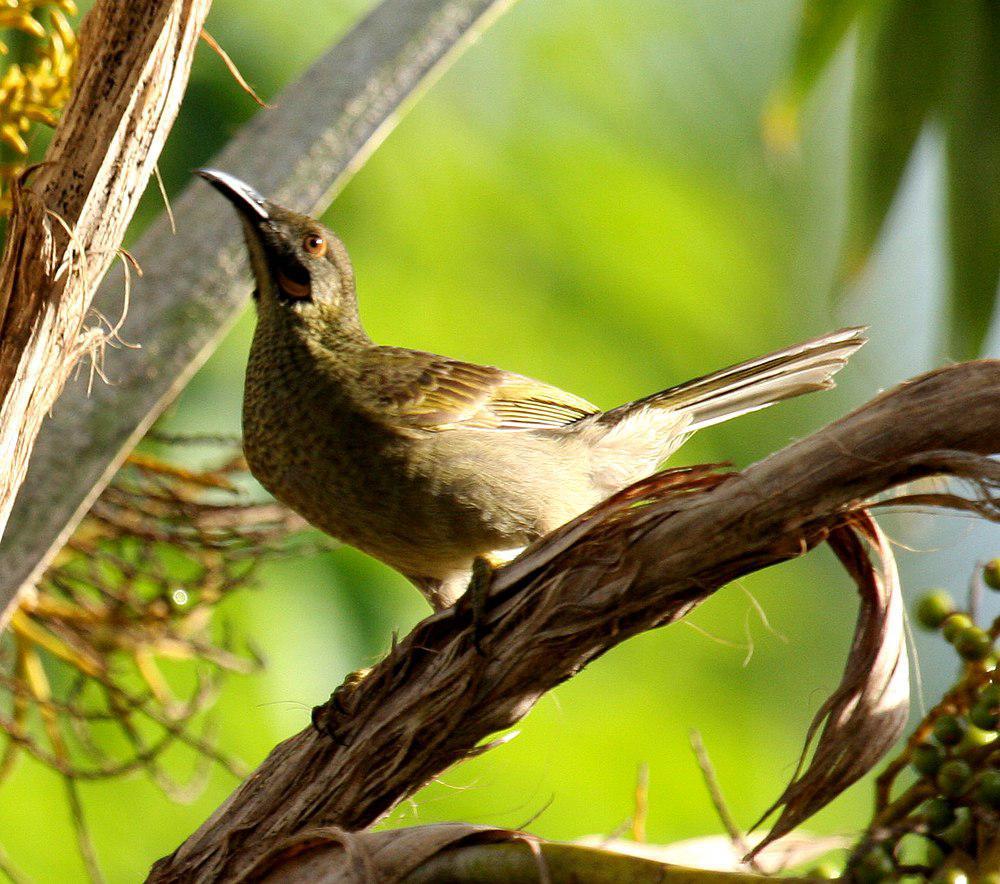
{"x": 433, "y": 465}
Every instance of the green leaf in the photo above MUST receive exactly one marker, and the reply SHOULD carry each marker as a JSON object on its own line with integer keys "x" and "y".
{"x": 902, "y": 58}
{"x": 971, "y": 113}
{"x": 825, "y": 23}
{"x": 823, "y": 26}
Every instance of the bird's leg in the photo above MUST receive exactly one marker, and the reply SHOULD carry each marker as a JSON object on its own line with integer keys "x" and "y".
{"x": 341, "y": 703}
{"x": 476, "y": 595}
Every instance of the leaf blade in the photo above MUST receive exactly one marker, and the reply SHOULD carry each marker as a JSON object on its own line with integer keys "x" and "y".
{"x": 822, "y": 29}
{"x": 902, "y": 56}
{"x": 972, "y": 132}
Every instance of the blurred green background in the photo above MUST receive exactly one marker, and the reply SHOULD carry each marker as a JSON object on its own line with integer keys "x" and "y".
{"x": 585, "y": 197}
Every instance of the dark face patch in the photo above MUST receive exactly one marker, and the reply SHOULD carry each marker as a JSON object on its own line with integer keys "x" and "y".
{"x": 294, "y": 280}
{"x": 291, "y": 258}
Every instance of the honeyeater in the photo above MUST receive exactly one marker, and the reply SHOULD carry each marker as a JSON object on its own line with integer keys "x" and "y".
{"x": 429, "y": 463}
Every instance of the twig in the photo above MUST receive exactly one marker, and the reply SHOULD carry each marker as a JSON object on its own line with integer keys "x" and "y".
{"x": 14, "y": 875}
{"x": 85, "y": 844}
{"x": 718, "y": 800}
{"x": 641, "y": 803}
{"x": 166, "y": 199}
{"x": 234, "y": 71}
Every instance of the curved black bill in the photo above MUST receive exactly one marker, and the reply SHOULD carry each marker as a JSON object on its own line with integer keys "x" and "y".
{"x": 239, "y": 193}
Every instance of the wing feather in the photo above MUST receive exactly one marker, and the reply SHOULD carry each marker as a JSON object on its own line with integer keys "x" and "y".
{"x": 428, "y": 392}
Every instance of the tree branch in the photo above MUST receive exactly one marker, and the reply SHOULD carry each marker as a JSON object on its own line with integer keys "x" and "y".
{"x": 322, "y": 127}
{"x": 69, "y": 221}
{"x": 620, "y": 570}
{"x": 455, "y": 853}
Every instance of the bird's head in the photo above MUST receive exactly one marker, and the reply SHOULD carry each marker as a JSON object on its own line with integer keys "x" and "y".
{"x": 302, "y": 270}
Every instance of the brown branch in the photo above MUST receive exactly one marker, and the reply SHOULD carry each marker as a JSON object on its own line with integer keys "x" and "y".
{"x": 612, "y": 574}
{"x": 70, "y": 216}
{"x": 455, "y": 852}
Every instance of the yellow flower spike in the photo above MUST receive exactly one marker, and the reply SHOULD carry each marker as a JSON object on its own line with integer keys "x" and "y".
{"x": 30, "y": 25}
{"x": 33, "y": 93}
{"x": 40, "y": 115}
{"x": 145, "y": 662}
{"x": 197, "y": 621}
{"x": 38, "y": 683}
{"x": 102, "y": 599}
{"x": 63, "y": 29}
{"x": 201, "y": 480}
{"x": 51, "y": 608}
{"x": 35, "y": 676}
{"x": 14, "y": 77}
{"x": 10, "y": 136}
{"x": 19, "y": 718}
{"x": 27, "y": 630}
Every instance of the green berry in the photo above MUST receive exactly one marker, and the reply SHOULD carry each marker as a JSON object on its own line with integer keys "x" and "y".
{"x": 949, "y": 730}
{"x": 973, "y": 644}
{"x": 934, "y": 855}
{"x": 988, "y": 789}
{"x": 990, "y": 695}
{"x": 974, "y": 738}
{"x": 991, "y": 574}
{"x": 938, "y": 814}
{"x": 825, "y": 871}
{"x": 933, "y": 608}
{"x": 985, "y": 716}
{"x": 954, "y": 625}
{"x": 951, "y": 876}
{"x": 875, "y": 866}
{"x": 954, "y": 776}
{"x": 959, "y": 833}
{"x": 927, "y": 758}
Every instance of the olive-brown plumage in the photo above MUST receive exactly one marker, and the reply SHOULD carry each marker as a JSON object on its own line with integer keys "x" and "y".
{"x": 426, "y": 462}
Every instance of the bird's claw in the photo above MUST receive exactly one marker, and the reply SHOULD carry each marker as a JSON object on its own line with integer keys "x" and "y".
{"x": 325, "y": 718}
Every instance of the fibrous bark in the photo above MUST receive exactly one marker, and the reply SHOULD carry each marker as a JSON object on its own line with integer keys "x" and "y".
{"x": 641, "y": 561}
{"x": 455, "y": 853}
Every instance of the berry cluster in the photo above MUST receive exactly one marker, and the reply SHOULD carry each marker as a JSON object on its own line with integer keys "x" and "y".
{"x": 946, "y": 826}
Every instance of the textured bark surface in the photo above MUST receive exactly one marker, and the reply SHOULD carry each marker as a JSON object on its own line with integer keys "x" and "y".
{"x": 618, "y": 571}
{"x": 463, "y": 854}
{"x": 70, "y": 217}
{"x": 300, "y": 151}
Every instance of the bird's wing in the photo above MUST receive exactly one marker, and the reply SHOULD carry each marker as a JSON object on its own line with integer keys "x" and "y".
{"x": 428, "y": 392}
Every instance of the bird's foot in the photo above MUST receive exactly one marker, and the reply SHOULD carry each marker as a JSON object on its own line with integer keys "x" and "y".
{"x": 340, "y": 706}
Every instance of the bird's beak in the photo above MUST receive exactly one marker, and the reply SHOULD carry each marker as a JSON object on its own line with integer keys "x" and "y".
{"x": 250, "y": 204}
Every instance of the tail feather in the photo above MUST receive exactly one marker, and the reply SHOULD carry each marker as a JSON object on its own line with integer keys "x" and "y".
{"x": 756, "y": 384}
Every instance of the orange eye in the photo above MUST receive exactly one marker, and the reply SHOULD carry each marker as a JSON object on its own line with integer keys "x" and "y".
{"x": 314, "y": 244}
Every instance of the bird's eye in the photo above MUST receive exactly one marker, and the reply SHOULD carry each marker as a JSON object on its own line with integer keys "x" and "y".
{"x": 314, "y": 245}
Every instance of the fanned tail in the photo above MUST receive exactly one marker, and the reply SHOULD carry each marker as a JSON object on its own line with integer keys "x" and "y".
{"x": 746, "y": 387}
